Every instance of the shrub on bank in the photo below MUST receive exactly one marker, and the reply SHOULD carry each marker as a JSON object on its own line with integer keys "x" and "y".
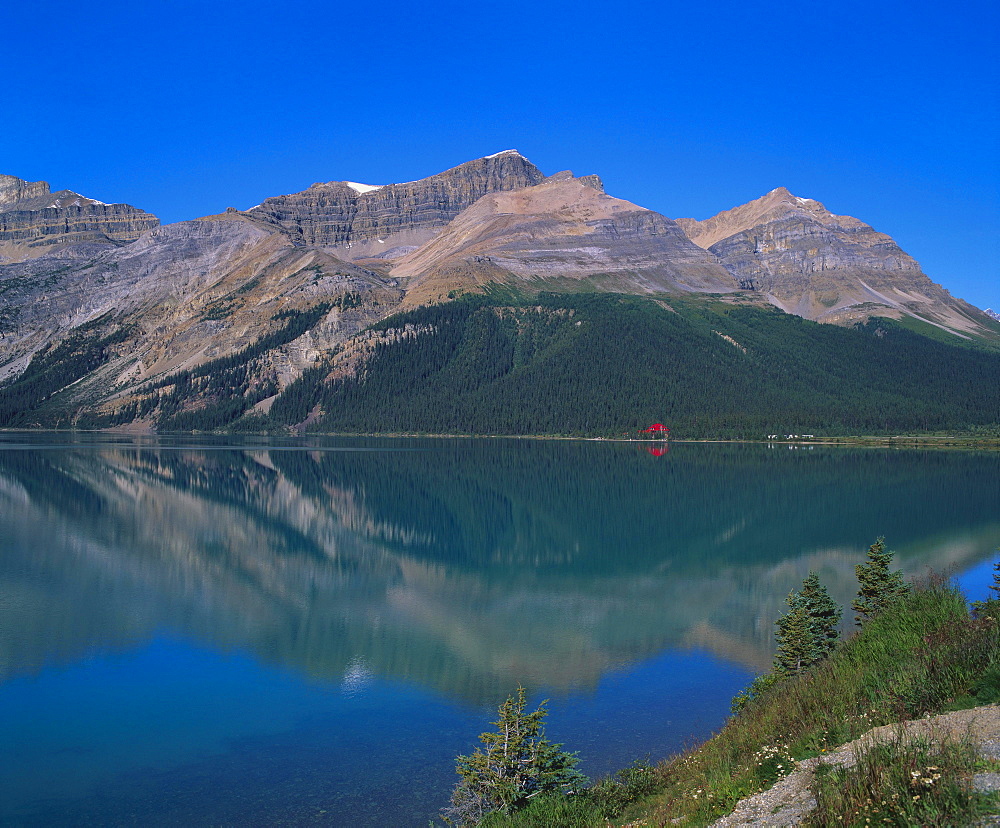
{"x": 596, "y": 805}
{"x": 922, "y": 653}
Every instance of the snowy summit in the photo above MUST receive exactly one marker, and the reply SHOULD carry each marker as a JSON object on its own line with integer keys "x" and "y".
{"x": 363, "y": 188}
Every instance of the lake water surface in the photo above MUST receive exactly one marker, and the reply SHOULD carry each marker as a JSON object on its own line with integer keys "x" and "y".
{"x": 203, "y": 633}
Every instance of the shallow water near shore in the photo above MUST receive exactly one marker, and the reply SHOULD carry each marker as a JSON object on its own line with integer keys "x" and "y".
{"x": 196, "y": 631}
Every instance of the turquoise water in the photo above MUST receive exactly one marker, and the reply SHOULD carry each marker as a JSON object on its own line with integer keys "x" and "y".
{"x": 201, "y": 633}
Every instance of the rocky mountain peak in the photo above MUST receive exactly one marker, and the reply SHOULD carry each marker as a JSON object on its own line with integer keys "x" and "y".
{"x": 777, "y": 204}
{"x": 33, "y": 219}
{"x": 592, "y": 181}
{"x": 383, "y": 221}
{"x": 14, "y": 189}
{"x": 783, "y": 197}
{"x": 504, "y": 152}
{"x": 564, "y": 233}
{"x": 813, "y": 263}
{"x": 18, "y": 194}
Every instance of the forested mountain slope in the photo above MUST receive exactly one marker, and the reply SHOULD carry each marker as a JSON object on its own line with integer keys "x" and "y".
{"x": 609, "y": 364}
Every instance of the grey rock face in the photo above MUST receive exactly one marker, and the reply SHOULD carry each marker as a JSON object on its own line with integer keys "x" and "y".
{"x": 370, "y": 223}
{"x": 13, "y": 190}
{"x": 824, "y": 267}
{"x": 559, "y": 235}
{"x": 764, "y": 256}
{"x": 32, "y": 216}
{"x": 185, "y": 292}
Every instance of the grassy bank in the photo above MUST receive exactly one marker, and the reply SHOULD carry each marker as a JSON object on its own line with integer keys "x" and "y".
{"x": 924, "y": 654}
{"x": 969, "y": 441}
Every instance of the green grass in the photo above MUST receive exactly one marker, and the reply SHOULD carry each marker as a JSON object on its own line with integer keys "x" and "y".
{"x": 903, "y": 783}
{"x": 924, "y": 655}
{"x": 989, "y": 340}
{"x": 596, "y": 805}
{"x": 915, "y": 658}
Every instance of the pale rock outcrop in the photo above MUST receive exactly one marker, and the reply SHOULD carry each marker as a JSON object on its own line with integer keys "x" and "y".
{"x": 33, "y": 219}
{"x": 185, "y": 293}
{"x": 564, "y": 232}
{"x": 362, "y": 221}
{"x": 813, "y": 263}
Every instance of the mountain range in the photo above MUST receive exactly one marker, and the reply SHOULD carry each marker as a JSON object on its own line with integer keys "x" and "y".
{"x": 108, "y": 318}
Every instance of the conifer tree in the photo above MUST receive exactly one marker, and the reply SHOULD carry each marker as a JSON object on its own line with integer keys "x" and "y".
{"x": 879, "y": 586}
{"x": 824, "y": 614}
{"x": 995, "y": 586}
{"x": 796, "y": 639}
{"x": 805, "y": 634}
{"x": 808, "y": 631}
{"x": 517, "y": 763}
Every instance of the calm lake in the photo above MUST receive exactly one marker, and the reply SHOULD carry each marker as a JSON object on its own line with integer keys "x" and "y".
{"x": 195, "y": 632}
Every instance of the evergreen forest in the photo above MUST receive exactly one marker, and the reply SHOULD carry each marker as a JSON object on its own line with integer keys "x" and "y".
{"x": 559, "y": 364}
{"x": 607, "y": 365}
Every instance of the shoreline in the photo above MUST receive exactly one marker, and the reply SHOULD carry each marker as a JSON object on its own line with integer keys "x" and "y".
{"x": 871, "y": 441}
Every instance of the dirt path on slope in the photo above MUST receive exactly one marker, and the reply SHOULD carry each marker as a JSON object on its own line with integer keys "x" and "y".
{"x": 789, "y": 801}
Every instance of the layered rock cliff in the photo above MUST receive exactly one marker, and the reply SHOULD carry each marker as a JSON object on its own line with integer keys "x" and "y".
{"x": 361, "y": 220}
{"x": 181, "y": 295}
{"x": 33, "y": 219}
{"x": 825, "y": 267}
{"x": 14, "y": 189}
{"x": 565, "y": 233}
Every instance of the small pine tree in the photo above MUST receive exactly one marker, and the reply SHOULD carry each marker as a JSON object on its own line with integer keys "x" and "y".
{"x": 796, "y": 639}
{"x": 806, "y": 634}
{"x": 517, "y": 763}
{"x": 995, "y": 586}
{"x": 808, "y": 631}
{"x": 824, "y": 614}
{"x": 879, "y": 586}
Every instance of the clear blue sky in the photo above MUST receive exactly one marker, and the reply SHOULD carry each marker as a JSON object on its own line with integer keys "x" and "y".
{"x": 888, "y": 111}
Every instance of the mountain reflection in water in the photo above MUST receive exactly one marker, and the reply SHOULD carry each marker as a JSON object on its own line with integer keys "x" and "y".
{"x": 466, "y": 566}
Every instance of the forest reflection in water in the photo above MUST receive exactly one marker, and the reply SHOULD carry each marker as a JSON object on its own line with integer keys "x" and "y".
{"x": 307, "y": 632}
{"x": 466, "y": 566}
